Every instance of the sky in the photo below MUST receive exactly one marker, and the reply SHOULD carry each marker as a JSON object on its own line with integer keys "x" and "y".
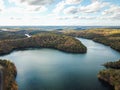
{"x": 60, "y": 12}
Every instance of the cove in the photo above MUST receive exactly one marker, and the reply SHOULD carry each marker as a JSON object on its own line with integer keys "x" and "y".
{"x": 48, "y": 69}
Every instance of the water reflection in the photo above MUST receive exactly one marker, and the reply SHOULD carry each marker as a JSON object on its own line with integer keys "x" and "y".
{"x": 47, "y": 69}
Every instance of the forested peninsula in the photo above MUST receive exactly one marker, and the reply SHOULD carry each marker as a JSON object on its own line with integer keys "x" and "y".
{"x": 43, "y": 40}
{"x": 111, "y": 75}
{"x": 8, "y": 75}
{"x": 110, "y": 37}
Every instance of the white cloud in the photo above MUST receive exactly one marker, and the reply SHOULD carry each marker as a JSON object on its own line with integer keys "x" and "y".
{"x": 25, "y": 10}
{"x": 116, "y": 16}
{"x": 95, "y": 0}
{"x": 1, "y": 5}
{"x": 88, "y": 17}
{"x": 112, "y": 13}
{"x": 112, "y": 10}
{"x": 93, "y": 7}
{"x": 67, "y": 17}
{"x": 73, "y": 1}
{"x": 39, "y": 2}
{"x": 59, "y": 7}
{"x": 29, "y": 6}
{"x": 71, "y": 10}
{"x": 65, "y": 12}
{"x": 62, "y": 4}
{"x": 36, "y": 9}
{"x": 32, "y": 2}
{"x": 76, "y": 17}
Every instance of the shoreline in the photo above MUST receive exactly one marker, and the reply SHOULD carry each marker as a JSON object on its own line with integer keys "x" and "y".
{"x": 44, "y": 40}
{"x": 111, "y": 74}
{"x": 108, "y": 37}
{"x": 9, "y": 73}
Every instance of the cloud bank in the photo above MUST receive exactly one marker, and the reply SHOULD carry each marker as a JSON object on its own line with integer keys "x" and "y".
{"x": 60, "y": 11}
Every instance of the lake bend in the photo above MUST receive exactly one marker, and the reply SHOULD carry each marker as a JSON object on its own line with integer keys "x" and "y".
{"x": 49, "y": 69}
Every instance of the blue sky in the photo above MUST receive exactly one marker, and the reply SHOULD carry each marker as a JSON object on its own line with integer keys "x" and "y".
{"x": 60, "y": 12}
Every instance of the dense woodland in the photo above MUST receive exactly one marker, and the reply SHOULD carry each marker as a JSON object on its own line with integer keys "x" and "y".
{"x": 110, "y": 37}
{"x": 9, "y": 73}
{"x": 111, "y": 74}
{"x": 17, "y": 34}
{"x": 43, "y": 40}
{"x": 16, "y": 40}
{"x": 115, "y": 65}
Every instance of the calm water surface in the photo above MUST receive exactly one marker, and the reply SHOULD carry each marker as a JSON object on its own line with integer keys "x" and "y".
{"x": 48, "y": 69}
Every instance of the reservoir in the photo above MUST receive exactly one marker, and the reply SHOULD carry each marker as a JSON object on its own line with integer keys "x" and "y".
{"x": 49, "y": 69}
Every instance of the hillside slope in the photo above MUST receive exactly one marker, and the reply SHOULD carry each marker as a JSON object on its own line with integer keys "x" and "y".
{"x": 110, "y": 37}
{"x": 43, "y": 40}
{"x": 9, "y": 75}
{"x": 111, "y": 74}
